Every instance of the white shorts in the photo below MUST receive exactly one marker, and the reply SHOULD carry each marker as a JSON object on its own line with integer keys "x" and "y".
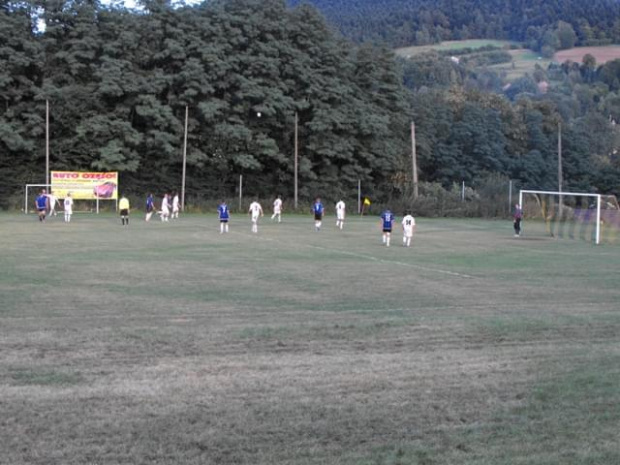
{"x": 255, "y": 219}
{"x": 69, "y": 211}
{"x": 165, "y": 211}
{"x": 340, "y": 215}
{"x": 408, "y": 232}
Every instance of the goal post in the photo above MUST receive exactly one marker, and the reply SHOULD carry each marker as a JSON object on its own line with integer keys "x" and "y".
{"x": 560, "y": 196}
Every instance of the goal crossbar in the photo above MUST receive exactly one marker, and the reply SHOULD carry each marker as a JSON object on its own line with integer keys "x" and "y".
{"x": 562, "y": 194}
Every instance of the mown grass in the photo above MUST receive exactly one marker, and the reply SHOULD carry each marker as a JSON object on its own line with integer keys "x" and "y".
{"x": 170, "y": 343}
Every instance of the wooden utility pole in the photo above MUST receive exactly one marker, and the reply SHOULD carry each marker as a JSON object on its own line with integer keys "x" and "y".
{"x": 414, "y": 162}
{"x": 47, "y": 143}
{"x": 560, "y": 200}
{"x": 296, "y": 168}
{"x": 184, "y": 160}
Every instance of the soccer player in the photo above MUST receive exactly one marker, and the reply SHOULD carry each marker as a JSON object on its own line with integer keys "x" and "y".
{"x": 408, "y": 229}
{"x": 175, "y": 206}
{"x": 224, "y": 216}
{"x": 123, "y": 206}
{"x": 340, "y": 211}
{"x": 150, "y": 207}
{"x": 277, "y": 209}
{"x": 52, "y": 202}
{"x": 318, "y": 210}
{"x": 41, "y": 205}
{"x": 68, "y": 204}
{"x": 518, "y": 215}
{"x": 165, "y": 208}
{"x": 255, "y": 211}
{"x": 387, "y": 218}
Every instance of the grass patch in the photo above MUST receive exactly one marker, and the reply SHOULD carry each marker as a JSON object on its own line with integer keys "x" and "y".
{"x": 30, "y": 377}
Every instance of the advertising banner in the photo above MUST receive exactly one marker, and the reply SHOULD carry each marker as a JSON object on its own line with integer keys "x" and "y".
{"x": 85, "y": 185}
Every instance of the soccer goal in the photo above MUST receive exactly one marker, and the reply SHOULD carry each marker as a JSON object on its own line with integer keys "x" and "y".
{"x": 575, "y": 215}
{"x": 84, "y": 201}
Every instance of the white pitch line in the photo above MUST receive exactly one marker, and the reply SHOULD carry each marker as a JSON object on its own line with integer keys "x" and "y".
{"x": 367, "y": 257}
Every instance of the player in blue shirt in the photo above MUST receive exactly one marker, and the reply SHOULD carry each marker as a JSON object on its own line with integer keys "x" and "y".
{"x": 318, "y": 210}
{"x": 150, "y": 207}
{"x": 224, "y": 215}
{"x": 387, "y": 219}
{"x": 41, "y": 204}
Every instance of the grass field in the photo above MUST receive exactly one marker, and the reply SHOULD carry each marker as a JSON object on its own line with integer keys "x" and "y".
{"x": 172, "y": 344}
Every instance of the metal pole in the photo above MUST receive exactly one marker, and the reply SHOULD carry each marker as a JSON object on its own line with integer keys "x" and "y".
{"x": 240, "y": 190}
{"x": 184, "y": 161}
{"x": 509, "y": 196}
{"x": 598, "y": 219}
{"x": 47, "y": 141}
{"x": 414, "y": 162}
{"x": 296, "y": 157}
{"x": 560, "y": 157}
{"x": 463, "y": 192}
{"x": 560, "y": 209}
{"x": 359, "y": 195}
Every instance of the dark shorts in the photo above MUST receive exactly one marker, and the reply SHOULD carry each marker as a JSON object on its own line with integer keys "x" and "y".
{"x": 387, "y": 230}
{"x": 318, "y": 216}
{"x": 149, "y": 209}
{"x": 223, "y": 220}
{"x": 124, "y": 212}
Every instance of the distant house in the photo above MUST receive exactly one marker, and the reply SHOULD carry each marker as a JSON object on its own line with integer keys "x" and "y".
{"x": 455, "y": 59}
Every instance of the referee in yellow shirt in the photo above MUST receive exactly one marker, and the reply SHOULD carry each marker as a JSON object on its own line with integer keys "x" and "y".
{"x": 123, "y": 206}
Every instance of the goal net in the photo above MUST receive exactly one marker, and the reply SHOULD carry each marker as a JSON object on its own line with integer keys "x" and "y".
{"x": 572, "y": 215}
{"x": 83, "y": 201}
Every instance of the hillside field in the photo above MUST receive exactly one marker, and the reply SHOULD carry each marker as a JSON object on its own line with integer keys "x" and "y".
{"x": 524, "y": 60}
{"x": 169, "y": 343}
{"x": 452, "y": 45}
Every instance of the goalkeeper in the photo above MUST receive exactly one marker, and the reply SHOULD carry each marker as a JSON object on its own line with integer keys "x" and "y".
{"x": 518, "y": 215}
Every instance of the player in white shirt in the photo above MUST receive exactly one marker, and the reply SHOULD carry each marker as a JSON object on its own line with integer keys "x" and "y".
{"x": 165, "y": 208}
{"x": 52, "y": 202}
{"x": 277, "y": 209}
{"x": 68, "y": 204}
{"x": 255, "y": 212}
{"x": 175, "y": 206}
{"x": 340, "y": 213}
{"x": 408, "y": 229}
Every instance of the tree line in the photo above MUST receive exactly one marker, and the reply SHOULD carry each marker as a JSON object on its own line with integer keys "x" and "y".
{"x": 540, "y": 24}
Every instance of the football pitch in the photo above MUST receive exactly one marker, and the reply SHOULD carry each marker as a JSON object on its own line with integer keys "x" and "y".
{"x": 169, "y": 343}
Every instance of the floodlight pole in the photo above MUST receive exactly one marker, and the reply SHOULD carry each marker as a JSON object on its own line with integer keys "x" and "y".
{"x": 184, "y": 160}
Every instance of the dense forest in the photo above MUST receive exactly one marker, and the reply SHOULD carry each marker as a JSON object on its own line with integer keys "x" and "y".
{"x": 118, "y": 82}
{"x": 401, "y": 23}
